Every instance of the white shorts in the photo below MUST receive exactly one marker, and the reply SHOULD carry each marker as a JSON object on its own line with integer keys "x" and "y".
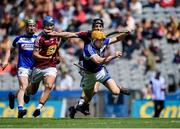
{"x": 39, "y": 73}
{"x": 89, "y": 79}
{"x": 24, "y": 72}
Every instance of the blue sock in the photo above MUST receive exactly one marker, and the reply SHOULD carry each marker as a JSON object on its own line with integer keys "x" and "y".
{"x": 20, "y": 108}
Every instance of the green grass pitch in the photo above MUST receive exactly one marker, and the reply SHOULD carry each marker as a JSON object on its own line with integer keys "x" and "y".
{"x": 89, "y": 123}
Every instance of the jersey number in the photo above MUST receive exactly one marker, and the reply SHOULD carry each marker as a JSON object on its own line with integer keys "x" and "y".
{"x": 51, "y": 50}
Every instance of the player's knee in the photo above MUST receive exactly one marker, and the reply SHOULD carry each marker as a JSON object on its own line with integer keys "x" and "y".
{"x": 49, "y": 86}
{"x": 22, "y": 88}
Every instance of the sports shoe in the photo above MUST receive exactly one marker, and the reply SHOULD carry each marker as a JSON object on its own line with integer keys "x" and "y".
{"x": 11, "y": 100}
{"x": 21, "y": 113}
{"x": 26, "y": 98}
{"x": 124, "y": 91}
{"x": 84, "y": 108}
{"x": 37, "y": 112}
{"x": 72, "y": 112}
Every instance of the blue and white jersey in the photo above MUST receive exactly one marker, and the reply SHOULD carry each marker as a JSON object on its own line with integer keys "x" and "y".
{"x": 25, "y": 46}
{"x": 89, "y": 51}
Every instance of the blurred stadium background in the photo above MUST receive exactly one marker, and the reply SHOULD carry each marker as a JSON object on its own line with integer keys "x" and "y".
{"x": 155, "y": 44}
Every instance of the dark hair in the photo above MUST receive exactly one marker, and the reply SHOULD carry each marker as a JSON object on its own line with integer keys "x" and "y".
{"x": 97, "y": 21}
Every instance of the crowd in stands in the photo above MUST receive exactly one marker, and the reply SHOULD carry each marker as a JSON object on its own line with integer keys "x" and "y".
{"x": 76, "y": 15}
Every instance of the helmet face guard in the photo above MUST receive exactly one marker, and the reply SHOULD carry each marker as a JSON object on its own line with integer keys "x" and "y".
{"x": 30, "y": 26}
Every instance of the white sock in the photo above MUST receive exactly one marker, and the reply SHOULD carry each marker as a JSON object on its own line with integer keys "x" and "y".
{"x": 81, "y": 102}
{"x": 39, "y": 106}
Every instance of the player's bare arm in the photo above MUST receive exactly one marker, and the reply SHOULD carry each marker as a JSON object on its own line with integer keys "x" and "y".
{"x": 6, "y": 59}
{"x": 100, "y": 60}
{"x": 119, "y": 37}
{"x": 7, "y": 56}
{"x": 9, "y": 51}
{"x": 57, "y": 56}
{"x": 38, "y": 57}
{"x": 63, "y": 34}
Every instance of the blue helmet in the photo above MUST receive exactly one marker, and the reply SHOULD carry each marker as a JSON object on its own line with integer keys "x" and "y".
{"x": 48, "y": 20}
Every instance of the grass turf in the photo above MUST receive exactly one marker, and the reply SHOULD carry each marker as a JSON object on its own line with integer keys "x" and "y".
{"x": 89, "y": 123}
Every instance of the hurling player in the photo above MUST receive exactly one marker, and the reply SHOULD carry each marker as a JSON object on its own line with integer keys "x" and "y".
{"x": 46, "y": 56}
{"x": 25, "y": 45}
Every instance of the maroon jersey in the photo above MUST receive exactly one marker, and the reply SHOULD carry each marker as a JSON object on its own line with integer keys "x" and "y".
{"x": 85, "y": 36}
{"x": 48, "y": 46}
